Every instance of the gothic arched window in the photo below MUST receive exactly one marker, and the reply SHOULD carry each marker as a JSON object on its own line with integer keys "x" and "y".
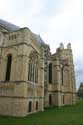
{"x": 36, "y": 105}
{"x": 50, "y": 99}
{"x": 50, "y": 73}
{"x": 8, "y": 68}
{"x": 33, "y": 68}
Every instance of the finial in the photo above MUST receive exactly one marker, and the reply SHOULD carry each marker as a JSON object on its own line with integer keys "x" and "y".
{"x": 69, "y": 46}
{"x": 61, "y": 46}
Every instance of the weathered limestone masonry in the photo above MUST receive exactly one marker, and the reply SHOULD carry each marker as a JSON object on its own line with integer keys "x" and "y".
{"x": 60, "y": 88}
{"x": 31, "y": 78}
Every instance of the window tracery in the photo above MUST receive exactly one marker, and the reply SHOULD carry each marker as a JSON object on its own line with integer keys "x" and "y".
{"x": 33, "y": 68}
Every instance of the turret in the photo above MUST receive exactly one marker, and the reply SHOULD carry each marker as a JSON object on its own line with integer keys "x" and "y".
{"x": 69, "y": 46}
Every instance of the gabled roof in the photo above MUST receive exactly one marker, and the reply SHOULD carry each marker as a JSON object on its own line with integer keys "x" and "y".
{"x": 8, "y": 26}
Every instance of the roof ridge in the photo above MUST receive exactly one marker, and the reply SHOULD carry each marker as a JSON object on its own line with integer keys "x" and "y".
{"x": 9, "y": 26}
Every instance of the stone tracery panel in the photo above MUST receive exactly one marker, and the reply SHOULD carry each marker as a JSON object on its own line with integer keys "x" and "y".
{"x": 33, "y": 67}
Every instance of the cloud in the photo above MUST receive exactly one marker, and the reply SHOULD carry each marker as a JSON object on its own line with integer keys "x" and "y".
{"x": 73, "y": 7}
{"x": 21, "y": 12}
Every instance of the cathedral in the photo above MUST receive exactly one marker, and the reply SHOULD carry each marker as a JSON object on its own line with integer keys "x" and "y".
{"x": 31, "y": 78}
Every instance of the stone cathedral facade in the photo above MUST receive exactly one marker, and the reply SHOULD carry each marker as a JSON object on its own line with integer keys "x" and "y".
{"x": 31, "y": 78}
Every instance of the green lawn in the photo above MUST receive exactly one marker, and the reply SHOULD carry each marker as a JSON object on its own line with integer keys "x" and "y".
{"x": 69, "y": 115}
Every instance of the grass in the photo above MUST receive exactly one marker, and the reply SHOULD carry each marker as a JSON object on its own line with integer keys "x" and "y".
{"x": 68, "y": 115}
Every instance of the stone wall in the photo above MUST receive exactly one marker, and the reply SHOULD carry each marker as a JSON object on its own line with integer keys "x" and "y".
{"x": 16, "y": 93}
{"x": 62, "y": 89}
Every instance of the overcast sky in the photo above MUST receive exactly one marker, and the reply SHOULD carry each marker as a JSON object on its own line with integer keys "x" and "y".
{"x": 55, "y": 20}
